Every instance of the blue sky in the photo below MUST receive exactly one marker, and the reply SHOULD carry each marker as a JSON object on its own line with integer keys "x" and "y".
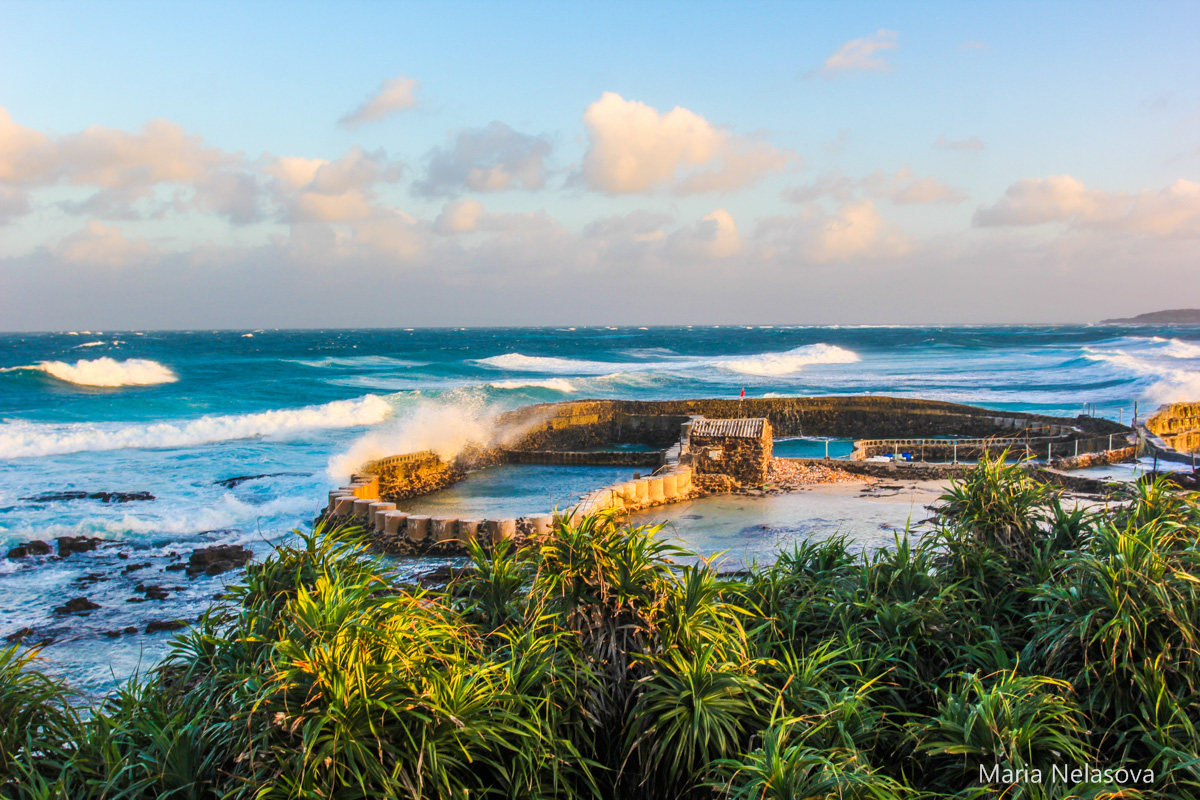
{"x": 201, "y": 164}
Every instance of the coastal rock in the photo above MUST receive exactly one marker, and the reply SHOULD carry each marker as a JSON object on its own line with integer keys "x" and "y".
{"x": 78, "y": 605}
{"x": 134, "y": 568}
{"x": 34, "y": 548}
{"x": 76, "y": 544}
{"x": 103, "y": 497}
{"x": 152, "y": 592}
{"x": 29, "y": 636}
{"x": 217, "y": 559}
{"x": 230, "y": 483}
{"x": 156, "y": 625}
{"x": 122, "y": 632}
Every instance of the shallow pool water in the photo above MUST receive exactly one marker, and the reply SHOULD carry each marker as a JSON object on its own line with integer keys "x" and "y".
{"x": 515, "y": 490}
{"x": 754, "y": 529}
{"x": 812, "y": 447}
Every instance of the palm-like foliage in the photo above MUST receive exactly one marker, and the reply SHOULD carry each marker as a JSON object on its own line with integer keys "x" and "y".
{"x": 592, "y": 663}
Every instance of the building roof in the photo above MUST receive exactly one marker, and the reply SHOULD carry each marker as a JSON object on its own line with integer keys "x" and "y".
{"x": 738, "y": 428}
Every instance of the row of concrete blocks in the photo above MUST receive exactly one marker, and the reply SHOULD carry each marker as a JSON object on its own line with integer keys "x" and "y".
{"x": 383, "y": 518}
{"x": 653, "y": 491}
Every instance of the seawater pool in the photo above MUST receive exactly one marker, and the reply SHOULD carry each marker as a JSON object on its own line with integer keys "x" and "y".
{"x": 515, "y": 490}
{"x": 747, "y": 529}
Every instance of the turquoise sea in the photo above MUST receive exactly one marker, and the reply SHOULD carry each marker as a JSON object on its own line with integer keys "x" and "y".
{"x": 174, "y": 413}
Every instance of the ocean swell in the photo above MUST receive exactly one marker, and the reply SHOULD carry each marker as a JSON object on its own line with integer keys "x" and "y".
{"x": 106, "y": 372}
{"x": 786, "y": 363}
{"x": 24, "y": 439}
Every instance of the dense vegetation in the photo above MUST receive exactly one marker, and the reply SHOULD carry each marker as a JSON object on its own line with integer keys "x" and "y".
{"x": 1020, "y": 635}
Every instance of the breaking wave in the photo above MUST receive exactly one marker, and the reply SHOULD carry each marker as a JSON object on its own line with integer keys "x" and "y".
{"x": 791, "y": 361}
{"x": 555, "y": 384}
{"x": 523, "y": 363}
{"x": 107, "y": 372}
{"x": 762, "y": 364}
{"x": 24, "y": 439}
{"x": 1160, "y": 366}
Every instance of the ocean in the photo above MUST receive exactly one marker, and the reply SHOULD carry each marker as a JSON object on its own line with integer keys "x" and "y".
{"x": 176, "y": 413}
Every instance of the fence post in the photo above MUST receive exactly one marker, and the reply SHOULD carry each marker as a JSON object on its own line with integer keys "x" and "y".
{"x": 1110, "y": 442}
{"x": 1077, "y": 448}
{"x": 955, "y": 451}
{"x": 826, "y": 448}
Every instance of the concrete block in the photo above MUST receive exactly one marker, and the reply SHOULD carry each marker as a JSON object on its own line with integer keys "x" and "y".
{"x": 417, "y": 528}
{"x": 629, "y": 493}
{"x": 336, "y": 495}
{"x": 542, "y": 525}
{"x": 394, "y": 522}
{"x": 670, "y": 485}
{"x": 360, "y": 508}
{"x": 683, "y": 480}
{"x": 654, "y": 490}
{"x": 379, "y": 509}
{"x": 345, "y": 505}
{"x": 443, "y": 529}
{"x": 497, "y": 530}
{"x": 643, "y": 491}
{"x": 468, "y": 530}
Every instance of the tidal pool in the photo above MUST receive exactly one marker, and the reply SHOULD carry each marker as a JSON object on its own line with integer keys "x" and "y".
{"x": 515, "y": 490}
{"x": 746, "y": 529}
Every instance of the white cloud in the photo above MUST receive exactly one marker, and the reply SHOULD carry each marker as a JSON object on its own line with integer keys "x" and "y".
{"x": 1173, "y": 211}
{"x": 855, "y": 232}
{"x": 395, "y": 94}
{"x": 634, "y": 148}
{"x": 460, "y": 216}
{"x": 714, "y": 236}
{"x": 865, "y": 54}
{"x": 906, "y": 188}
{"x": 903, "y": 188}
{"x": 488, "y": 159}
{"x": 99, "y": 244}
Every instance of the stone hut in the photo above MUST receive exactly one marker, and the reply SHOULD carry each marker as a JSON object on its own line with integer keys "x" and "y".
{"x": 737, "y": 448}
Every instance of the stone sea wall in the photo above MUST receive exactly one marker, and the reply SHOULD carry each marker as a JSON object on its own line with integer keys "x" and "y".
{"x": 1178, "y": 425}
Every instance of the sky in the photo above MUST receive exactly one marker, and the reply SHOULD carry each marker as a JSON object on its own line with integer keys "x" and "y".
{"x": 250, "y": 165}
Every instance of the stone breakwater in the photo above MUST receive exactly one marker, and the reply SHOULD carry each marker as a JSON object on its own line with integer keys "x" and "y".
{"x": 699, "y": 447}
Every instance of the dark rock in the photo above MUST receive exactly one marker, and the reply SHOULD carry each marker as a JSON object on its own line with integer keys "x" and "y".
{"x": 230, "y": 483}
{"x": 176, "y": 567}
{"x": 18, "y": 636}
{"x": 76, "y": 544}
{"x": 136, "y": 600}
{"x": 131, "y": 629}
{"x": 217, "y": 559}
{"x": 78, "y": 605}
{"x": 29, "y": 636}
{"x": 134, "y": 568}
{"x": 34, "y": 548}
{"x": 122, "y": 556}
{"x": 103, "y": 497}
{"x": 155, "y": 625}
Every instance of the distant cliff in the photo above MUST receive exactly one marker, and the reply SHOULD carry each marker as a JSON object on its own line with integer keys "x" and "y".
{"x": 1179, "y": 316}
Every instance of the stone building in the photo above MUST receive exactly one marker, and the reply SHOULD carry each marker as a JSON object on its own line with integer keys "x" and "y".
{"x": 737, "y": 448}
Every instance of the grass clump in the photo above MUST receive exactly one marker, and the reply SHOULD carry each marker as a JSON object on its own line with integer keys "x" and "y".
{"x": 601, "y": 661}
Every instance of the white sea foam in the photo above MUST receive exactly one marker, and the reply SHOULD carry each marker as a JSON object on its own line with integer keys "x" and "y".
{"x": 794, "y": 360}
{"x": 520, "y": 362}
{"x": 443, "y": 426}
{"x": 106, "y": 372}
{"x": 23, "y": 439}
{"x": 556, "y": 384}
{"x": 1160, "y": 365}
{"x": 90, "y": 344}
{"x": 762, "y": 364}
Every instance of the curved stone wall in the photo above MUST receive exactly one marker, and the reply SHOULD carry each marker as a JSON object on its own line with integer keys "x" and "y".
{"x": 568, "y": 432}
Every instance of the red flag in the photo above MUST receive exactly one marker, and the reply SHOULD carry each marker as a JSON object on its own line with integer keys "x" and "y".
{"x": 743, "y": 392}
